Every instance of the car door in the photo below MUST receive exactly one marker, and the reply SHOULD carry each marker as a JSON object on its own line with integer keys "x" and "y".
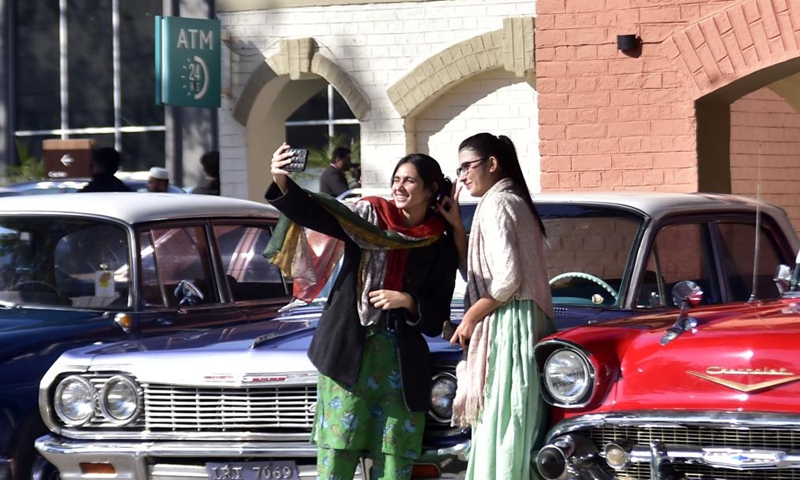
{"x": 255, "y": 286}
{"x": 716, "y": 253}
{"x": 170, "y": 255}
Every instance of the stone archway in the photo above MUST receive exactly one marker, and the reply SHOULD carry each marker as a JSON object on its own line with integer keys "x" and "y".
{"x": 511, "y": 48}
{"x": 729, "y": 58}
{"x": 274, "y": 90}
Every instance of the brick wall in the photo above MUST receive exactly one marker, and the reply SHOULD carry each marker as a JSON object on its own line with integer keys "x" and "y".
{"x": 765, "y": 132}
{"x": 609, "y": 121}
{"x": 375, "y": 44}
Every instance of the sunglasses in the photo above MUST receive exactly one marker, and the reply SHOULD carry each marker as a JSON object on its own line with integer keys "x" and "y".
{"x": 467, "y": 166}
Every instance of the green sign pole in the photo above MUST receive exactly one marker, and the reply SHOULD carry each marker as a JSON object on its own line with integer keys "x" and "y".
{"x": 188, "y": 62}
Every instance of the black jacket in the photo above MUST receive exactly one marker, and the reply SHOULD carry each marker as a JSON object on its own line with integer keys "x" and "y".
{"x": 333, "y": 181}
{"x": 338, "y": 344}
{"x": 105, "y": 182}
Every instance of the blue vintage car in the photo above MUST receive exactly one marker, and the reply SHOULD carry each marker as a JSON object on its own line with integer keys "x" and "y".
{"x": 89, "y": 267}
{"x": 241, "y": 400}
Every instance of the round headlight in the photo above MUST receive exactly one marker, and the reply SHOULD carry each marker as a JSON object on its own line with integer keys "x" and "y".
{"x": 119, "y": 400}
{"x": 567, "y": 376}
{"x": 74, "y": 400}
{"x": 443, "y": 391}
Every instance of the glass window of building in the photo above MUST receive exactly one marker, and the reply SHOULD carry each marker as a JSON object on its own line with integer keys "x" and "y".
{"x": 92, "y": 76}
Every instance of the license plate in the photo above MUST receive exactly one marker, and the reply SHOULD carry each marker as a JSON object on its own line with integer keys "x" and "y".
{"x": 277, "y": 470}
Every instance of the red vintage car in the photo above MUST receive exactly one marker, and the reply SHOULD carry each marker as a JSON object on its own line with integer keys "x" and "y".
{"x": 710, "y": 393}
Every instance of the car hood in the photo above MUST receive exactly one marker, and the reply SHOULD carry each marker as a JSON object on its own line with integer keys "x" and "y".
{"x": 227, "y": 356}
{"x": 738, "y": 357}
{"x": 24, "y": 318}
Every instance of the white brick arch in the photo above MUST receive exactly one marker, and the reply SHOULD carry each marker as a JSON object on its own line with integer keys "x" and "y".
{"x": 511, "y": 48}
{"x": 298, "y": 59}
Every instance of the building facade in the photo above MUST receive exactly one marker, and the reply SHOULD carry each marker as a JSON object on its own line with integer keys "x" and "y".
{"x": 707, "y": 100}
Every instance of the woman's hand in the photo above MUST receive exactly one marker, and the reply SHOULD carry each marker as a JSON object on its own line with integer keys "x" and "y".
{"x": 472, "y": 317}
{"x": 389, "y": 299}
{"x": 464, "y": 332}
{"x": 279, "y": 160}
{"x": 448, "y": 208}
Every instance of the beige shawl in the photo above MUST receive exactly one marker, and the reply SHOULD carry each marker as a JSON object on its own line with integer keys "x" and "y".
{"x": 505, "y": 261}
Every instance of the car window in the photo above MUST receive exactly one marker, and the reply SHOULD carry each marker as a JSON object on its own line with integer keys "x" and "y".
{"x": 680, "y": 252}
{"x": 64, "y": 262}
{"x": 588, "y": 252}
{"x": 169, "y": 256}
{"x": 738, "y": 247}
{"x": 248, "y": 274}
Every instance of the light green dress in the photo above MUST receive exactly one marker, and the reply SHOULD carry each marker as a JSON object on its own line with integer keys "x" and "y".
{"x": 514, "y": 416}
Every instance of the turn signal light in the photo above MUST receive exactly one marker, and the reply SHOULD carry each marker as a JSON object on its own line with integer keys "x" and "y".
{"x": 98, "y": 469}
{"x": 425, "y": 470}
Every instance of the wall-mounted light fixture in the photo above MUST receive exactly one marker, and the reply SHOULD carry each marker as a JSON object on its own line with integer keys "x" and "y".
{"x": 628, "y": 43}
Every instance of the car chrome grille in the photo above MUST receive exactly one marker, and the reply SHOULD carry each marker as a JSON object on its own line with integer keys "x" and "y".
{"x": 227, "y": 409}
{"x": 701, "y": 436}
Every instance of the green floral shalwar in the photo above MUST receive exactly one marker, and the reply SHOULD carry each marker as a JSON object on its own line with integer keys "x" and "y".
{"x": 370, "y": 418}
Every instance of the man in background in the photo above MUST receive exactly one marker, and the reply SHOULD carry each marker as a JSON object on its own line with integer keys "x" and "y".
{"x": 333, "y": 180}
{"x": 210, "y": 184}
{"x": 104, "y": 164}
{"x": 158, "y": 181}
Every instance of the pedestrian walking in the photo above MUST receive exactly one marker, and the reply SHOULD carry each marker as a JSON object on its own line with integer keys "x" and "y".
{"x": 508, "y": 308}
{"x": 395, "y": 283}
{"x": 333, "y": 180}
{"x": 104, "y": 164}
{"x": 209, "y": 185}
{"x": 158, "y": 180}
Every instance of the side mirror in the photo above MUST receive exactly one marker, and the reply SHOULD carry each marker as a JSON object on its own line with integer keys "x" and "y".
{"x": 686, "y": 294}
{"x": 187, "y": 293}
{"x": 783, "y": 278}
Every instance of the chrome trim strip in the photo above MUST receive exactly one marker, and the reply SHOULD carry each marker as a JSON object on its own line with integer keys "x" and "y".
{"x": 672, "y": 419}
{"x": 54, "y": 445}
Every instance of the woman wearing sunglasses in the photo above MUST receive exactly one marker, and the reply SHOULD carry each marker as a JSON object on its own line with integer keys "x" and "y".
{"x": 508, "y": 308}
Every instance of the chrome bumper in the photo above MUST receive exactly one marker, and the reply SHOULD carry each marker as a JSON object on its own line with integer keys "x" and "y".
{"x": 186, "y": 460}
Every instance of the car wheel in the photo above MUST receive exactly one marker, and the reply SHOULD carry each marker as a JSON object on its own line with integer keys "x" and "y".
{"x": 26, "y": 456}
{"x": 44, "y": 470}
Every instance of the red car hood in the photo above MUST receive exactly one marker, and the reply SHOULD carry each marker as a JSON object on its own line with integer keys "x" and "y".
{"x": 741, "y": 357}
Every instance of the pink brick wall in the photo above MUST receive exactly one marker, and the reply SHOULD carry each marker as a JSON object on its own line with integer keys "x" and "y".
{"x": 764, "y": 123}
{"x": 609, "y": 121}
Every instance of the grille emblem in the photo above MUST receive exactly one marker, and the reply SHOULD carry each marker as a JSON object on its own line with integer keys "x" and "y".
{"x": 264, "y": 378}
{"x": 713, "y": 375}
{"x": 312, "y": 408}
{"x": 742, "y": 458}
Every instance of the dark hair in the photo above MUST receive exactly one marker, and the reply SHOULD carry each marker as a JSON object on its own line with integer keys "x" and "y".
{"x": 430, "y": 172}
{"x": 486, "y": 145}
{"x": 106, "y": 158}
{"x": 210, "y": 163}
{"x": 340, "y": 152}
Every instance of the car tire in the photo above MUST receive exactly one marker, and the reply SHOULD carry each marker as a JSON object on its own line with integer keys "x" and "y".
{"x": 26, "y": 456}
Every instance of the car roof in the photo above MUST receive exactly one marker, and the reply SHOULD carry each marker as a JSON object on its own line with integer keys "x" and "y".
{"x": 136, "y": 207}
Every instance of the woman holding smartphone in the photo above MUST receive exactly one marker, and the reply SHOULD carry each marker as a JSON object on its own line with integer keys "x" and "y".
{"x": 395, "y": 284}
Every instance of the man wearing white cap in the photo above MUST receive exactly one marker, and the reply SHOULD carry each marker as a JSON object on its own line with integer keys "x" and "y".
{"x": 158, "y": 181}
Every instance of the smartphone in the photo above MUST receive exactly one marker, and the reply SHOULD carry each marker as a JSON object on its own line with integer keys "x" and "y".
{"x": 448, "y": 329}
{"x": 299, "y": 160}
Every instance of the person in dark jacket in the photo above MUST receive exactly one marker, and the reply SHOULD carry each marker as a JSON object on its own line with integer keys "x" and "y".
{"x": 395, "y": 283}
{"x": 210, "y": 183}
{"x": 333, "y": 180}
{"x": 104, "y": 164}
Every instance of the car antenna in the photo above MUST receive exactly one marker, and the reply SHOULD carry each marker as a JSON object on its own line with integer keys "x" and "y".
{"x": 757, "y": 242}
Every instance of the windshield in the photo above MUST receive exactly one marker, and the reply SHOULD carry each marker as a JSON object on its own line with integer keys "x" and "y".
{"x": 50, "y": 261}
